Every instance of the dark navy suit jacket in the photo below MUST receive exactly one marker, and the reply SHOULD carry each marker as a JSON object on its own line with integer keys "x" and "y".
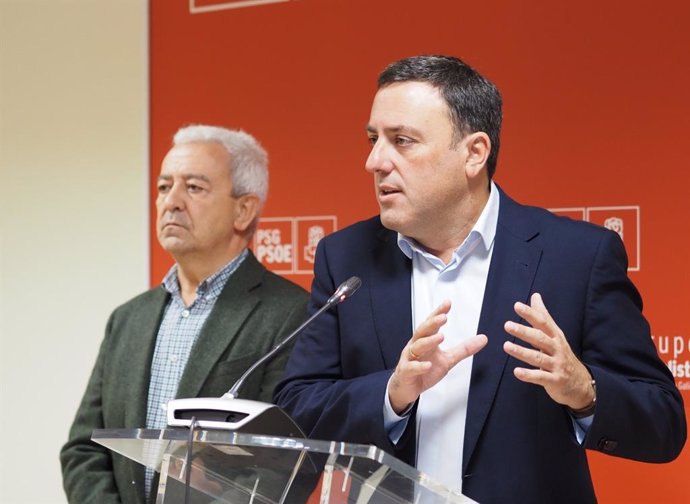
{"x": 519, "y": 444}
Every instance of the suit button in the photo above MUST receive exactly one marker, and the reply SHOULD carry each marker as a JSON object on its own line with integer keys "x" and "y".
{"x": 607, "y": 445}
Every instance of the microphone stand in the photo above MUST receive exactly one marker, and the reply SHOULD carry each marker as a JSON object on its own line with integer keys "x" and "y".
{"x": 228, "y": 412}
{"x": 340, "y": 295}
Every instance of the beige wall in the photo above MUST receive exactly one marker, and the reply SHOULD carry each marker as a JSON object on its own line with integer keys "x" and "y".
{"x": 73, "y": 199}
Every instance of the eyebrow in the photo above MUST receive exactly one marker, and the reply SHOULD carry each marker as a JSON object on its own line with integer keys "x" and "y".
{"x": 399, "y": 128}
{"x": 186, "y": 177}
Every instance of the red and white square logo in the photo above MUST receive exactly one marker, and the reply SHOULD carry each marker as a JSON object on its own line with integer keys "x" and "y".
{"x": 624, "y": 220}
{"x": 310, "y": 230}
{"x": 287, "y": 245}
{"x": 273, "y": 244}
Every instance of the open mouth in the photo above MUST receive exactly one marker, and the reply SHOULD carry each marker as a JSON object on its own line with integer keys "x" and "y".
{"x": 386, "y": 190}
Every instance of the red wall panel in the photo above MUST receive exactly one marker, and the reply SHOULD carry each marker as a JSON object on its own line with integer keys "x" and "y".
{"x": 596, "y": 118}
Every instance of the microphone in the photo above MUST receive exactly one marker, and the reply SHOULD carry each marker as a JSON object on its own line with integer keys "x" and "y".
{"x": 228, "y": 412}
{"x": 344, "y": 291}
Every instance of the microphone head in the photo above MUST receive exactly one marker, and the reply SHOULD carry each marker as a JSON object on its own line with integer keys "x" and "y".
{"x": 345, "y": 290}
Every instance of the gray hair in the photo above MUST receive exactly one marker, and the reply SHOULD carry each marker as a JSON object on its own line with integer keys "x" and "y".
{"x": 249, "y": 161}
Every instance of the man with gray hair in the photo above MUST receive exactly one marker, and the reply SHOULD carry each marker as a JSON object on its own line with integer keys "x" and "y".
{"x": 217, "y": 311}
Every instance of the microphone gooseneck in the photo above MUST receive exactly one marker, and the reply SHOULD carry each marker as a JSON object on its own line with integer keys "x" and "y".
{"x": 344, "y": 291}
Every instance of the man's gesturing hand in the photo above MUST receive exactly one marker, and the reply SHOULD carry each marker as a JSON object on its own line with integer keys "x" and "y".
{"x": 558, "y": 370}
{"x": 423, "y": 364}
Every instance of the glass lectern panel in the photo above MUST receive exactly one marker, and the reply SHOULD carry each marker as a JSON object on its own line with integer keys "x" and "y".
{"x": 236, "y": 468}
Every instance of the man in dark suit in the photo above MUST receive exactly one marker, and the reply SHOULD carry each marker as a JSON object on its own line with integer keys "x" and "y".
{"x": 218, "y": 311}
{"x": 491, "y": 343}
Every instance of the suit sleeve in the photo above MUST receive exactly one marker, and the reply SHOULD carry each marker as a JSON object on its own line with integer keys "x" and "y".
{"x": 334, "y": 387}
{"x": 87, "y": 470}
{"x": 640, "y": 413}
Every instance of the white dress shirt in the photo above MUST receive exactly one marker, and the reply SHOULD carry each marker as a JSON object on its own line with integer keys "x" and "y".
{"x": 443, "y": 408}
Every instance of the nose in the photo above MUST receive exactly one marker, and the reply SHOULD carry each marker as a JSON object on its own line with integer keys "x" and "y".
{"x": 173, "y": 198}
{"x": 379, "y": 159}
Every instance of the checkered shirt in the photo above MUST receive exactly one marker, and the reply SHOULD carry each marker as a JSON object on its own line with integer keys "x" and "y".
{"x": 177, "y": 333}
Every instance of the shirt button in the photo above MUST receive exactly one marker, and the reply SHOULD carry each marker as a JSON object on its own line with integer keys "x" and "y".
{"x": 173, "y": 358}
{"x": 185, "y": 313}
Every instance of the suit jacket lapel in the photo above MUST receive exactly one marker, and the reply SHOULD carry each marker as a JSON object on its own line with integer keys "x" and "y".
{"x": 514, "y": 264}
{"x": 146, "y": 320}
{"x": 390, "y": 285}
{"x": 234, "y": 304}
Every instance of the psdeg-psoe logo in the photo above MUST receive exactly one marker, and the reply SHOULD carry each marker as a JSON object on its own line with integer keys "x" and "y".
{"x": 287, "y": 245}
{"x": 624, "y": 220}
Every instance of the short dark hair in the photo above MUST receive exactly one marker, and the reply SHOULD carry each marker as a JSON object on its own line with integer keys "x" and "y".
{"x": 473, "y": 101}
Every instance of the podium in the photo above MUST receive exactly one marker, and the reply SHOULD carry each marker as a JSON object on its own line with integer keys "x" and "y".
{"x": 239, "y": 468}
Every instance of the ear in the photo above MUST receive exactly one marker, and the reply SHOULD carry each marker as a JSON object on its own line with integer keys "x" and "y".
{"x": 247, "y": 208}
{"x": 478, "y": 147}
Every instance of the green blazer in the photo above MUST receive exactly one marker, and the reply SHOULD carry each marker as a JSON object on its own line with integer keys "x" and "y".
{"x": 255, "y": 310}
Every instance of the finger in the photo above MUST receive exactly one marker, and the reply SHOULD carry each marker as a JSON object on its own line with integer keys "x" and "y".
{"x": 433, "y": 322}
{"x": 533, "y": 376}
{"x": 413, "y": 368}
{"x": 535, "y": 337}
{"x": 429, "y": 327}
{"x": 539, "y": 360}
{"x": 443, "y": 307}
{"x": 536, "y": 301}
{"x": 467, "y": 347}
{"x": 537, "y": 305}
{"x": 421, "y": 347}
{"x": 536, "y": 314}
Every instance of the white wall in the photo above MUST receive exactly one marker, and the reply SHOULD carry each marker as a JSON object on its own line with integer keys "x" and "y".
{"x": 73, "y": 214}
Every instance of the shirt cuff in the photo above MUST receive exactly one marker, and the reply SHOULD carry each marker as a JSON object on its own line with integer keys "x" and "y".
{"x": 393, "y": 423}
{"x": 581, "y": 426}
